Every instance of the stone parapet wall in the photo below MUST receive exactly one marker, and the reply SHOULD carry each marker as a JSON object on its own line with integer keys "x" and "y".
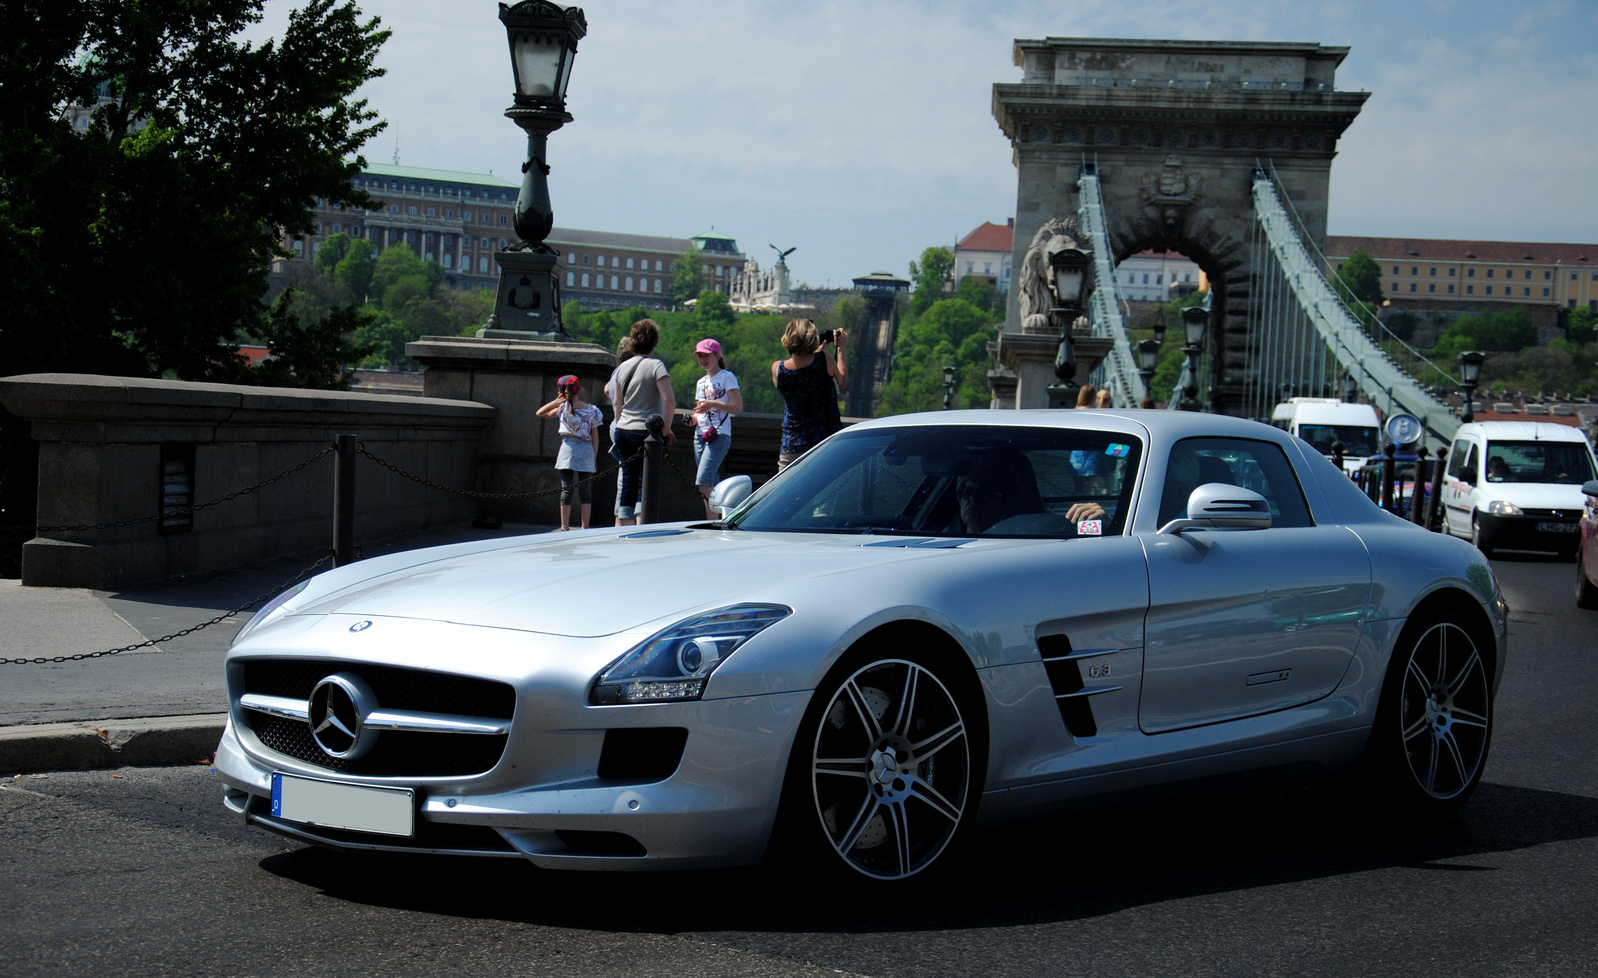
{"x": 101, "y": 462}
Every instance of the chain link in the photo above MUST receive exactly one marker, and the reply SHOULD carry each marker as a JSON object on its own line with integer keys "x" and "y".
{"x": 264, "y": 596}
{"x": 361, "y": 449}
{"x": 186, "y": 509}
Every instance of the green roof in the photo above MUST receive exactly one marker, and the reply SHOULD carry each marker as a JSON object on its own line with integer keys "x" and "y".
{"x": 714, "y": 235}
{"x": 441, "y": 176}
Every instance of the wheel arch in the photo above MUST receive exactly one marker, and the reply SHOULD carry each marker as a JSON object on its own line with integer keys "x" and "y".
{"x": 1462, "y": 605}
{"x": 929, "y": 639}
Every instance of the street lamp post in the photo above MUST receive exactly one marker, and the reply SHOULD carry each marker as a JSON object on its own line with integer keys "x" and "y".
{"x": 1071, "y": 278}
{"x": 948, "y": 388}
{"x": 1469, "y": 379}
{"x": 1148, "y": 358}
{"x": 543, "y": 40}
{"x": 1194, "y": 321}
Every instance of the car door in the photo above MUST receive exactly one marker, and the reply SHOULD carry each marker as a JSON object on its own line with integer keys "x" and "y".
{"x": 1245, "y": 622}
{"x": 1463, "y": 459}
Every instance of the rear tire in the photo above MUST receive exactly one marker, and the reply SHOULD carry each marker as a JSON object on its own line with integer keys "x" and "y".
{"x": 1433, "y": 728}
{"x": 1586, "y": 594}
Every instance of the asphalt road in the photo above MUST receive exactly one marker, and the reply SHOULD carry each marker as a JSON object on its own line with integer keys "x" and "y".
{"x": 140, "y": 872}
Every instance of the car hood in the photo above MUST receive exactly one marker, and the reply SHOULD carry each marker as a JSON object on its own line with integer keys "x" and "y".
{"x": 582, "y": 585}
{"x": 1537, "y": 495}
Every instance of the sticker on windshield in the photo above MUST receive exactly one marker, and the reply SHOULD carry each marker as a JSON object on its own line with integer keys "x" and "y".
{"x": 1118, "y": 450}
{"x": 1090, "y": 528}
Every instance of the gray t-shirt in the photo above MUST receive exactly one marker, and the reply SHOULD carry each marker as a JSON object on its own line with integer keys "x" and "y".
{"x": 638, "y": 392}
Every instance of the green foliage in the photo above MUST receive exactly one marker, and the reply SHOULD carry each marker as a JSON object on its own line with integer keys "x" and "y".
{"x": 687, "y": 276}
{"x": 354, "y": 271}
{"x": 331, "y": 252}
{"x": 1402, "y": 325}
{"x": 1489, "y": 332}
{"x": 980, "y": 293}
{"x": 1581, "y": 325}
{"x": 1359, "y": 278}
{"x": 950, "y": 332}
{"x": 930, "y": 278}
{"x": 212, "y": 149}
{"x": 713, "y": 311}
{"x": 309, "y": 355}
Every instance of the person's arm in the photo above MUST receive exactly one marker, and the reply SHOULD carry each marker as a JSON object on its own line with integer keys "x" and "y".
{"x": 552, "y": 408}
{"x": 668, "y": 405}
{"x": 731, "y": 403}
{"x": 774, "y": 365}
{"x": 835, "y": 364}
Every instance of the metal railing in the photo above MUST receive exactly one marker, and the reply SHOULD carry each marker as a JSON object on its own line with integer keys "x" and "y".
{"x": 1118, "y": 370}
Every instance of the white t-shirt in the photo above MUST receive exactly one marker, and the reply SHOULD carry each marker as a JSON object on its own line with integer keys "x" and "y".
{"x": 714, "y": 387}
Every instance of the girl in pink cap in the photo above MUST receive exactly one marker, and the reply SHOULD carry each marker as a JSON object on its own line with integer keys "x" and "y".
{"x": 716, "y": 400}
{"x": 579, "y": 438}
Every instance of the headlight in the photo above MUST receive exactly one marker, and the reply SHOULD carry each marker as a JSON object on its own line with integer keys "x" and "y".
{"x": 676, "y": 663}
{"x": 269, "y": 611}
{"x": 1500, "y": 508}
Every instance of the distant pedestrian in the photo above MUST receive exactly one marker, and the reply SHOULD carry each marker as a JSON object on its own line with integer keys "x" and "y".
{"x": 641, "y": 387}
{"x": 1104, "y": 397}
{"x": 809, "y": 381}
{"x": 1147, "y": 403}
{"x": 716, "y": 400}
{"x": 579, "y": 444}
{"x": 1085, "y": 396}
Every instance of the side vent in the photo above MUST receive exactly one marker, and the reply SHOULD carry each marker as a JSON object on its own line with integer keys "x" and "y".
{"x": 1061, "y": 662}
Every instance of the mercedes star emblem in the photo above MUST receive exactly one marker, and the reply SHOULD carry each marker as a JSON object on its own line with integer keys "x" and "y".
{"x": 339, "y": 707}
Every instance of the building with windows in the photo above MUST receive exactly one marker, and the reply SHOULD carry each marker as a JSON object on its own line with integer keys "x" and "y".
{"x": 1440, "y": 274}
{"x": 1156, "y": 276}
{"x": 459, "y": 220}
{"x": 986, "y": 253}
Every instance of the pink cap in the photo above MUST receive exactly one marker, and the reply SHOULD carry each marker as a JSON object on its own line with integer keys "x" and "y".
{"x": 709, "y": 346}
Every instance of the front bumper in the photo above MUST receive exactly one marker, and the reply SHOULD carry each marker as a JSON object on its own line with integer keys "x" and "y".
{"x": 1530, "y": 532}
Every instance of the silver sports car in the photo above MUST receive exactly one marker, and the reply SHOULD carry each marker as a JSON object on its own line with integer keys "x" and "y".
{"x": 925, "y": 623}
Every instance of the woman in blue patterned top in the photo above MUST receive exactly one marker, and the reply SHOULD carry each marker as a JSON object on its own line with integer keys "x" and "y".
{"x": 810, "y": 381}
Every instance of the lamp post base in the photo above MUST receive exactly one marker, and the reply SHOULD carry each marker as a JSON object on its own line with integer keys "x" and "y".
{"x": 528, "y": 305}
{"x": 1063, "y": 395}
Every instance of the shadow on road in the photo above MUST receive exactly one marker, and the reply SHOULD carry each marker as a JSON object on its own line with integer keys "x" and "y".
{"x": 1040, "y": 872}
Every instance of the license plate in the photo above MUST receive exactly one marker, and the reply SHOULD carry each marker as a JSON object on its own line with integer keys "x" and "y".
{"x": 334, "y": 805}
{"x": 1557, "y": 527}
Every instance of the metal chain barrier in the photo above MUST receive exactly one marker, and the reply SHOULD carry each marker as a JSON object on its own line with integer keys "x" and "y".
{"x": 361, "y": 449}
{"x": 258, "y": 599}
{"x": 186, "y": 509}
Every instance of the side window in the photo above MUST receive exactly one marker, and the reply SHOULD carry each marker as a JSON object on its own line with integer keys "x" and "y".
{"x": 1457, "y": 457}
{"x": 1256, "y": 465}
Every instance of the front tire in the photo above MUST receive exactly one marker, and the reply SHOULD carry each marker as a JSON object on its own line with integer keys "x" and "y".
{"x": 884, "y": 776}
{"x": 1434, "y": 725}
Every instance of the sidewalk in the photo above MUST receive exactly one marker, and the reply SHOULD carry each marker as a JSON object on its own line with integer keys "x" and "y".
{"x": 156, "y": 706}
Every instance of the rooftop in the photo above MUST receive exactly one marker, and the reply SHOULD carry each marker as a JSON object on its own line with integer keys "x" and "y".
{"x": 441, "y": 176}
{"x": 1442, "y": 249}
{"x": 989, "y": 237}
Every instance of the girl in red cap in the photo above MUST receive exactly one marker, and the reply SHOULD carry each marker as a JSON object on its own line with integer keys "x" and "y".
{"x": 579, "y": 437}
{"x": 716, "y": 400}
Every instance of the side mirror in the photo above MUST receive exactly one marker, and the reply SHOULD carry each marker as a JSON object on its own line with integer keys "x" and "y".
{"x": 730, "y": 493}
{"x": 1590, "y": 487}
{"x": 1218, "y": 506}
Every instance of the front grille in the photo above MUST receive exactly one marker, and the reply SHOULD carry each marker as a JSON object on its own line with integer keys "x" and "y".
{"x": 395, "y": 753}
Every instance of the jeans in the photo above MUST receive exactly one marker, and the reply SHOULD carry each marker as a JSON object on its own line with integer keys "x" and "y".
{"x": 708, "y": 456}
{"x": 631, "y": 479}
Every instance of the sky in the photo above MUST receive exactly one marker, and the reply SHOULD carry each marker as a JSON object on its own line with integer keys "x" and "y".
{"x": 861, "y": 131}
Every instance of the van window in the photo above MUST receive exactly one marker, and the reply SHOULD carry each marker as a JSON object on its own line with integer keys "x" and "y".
{"x": 1357, "y": 439}
{"x": 1458, "y": 459}
{"x": 1564, "y": 463}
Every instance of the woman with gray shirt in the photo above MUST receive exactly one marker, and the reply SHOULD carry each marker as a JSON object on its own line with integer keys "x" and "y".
{"x": 639, "y": 388}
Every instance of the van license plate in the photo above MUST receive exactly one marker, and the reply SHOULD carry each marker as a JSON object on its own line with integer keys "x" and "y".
{"x": 334, "y": 805}
{"x": 1557, "y": 527}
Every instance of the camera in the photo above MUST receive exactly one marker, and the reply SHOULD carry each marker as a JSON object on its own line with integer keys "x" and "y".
{"x": 827, "y": 335}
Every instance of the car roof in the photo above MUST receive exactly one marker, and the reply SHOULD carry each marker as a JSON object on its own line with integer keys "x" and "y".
{"x": 1165, "y": 426}
{"x": 1523, "y": 430}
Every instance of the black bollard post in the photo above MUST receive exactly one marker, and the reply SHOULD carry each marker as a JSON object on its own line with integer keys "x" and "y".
{"x": 649, "y": 499}
{"x": 1388, "y": 465}
{"x": 344, "y": 501}
{"x": 1337, "y": 454}
{"x": 1417, "y": 494}
{"x": 1437, "y": 492}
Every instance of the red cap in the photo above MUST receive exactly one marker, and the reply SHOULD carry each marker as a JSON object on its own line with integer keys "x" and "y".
{"x": 568, "y": 382}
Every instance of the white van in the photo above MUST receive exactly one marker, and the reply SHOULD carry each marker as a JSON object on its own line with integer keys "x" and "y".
{"x": 1323, "y": 420}
{"x": 1517, "y": 484}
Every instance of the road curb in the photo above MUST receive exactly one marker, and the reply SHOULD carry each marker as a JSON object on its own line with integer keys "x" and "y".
{"x": 143, "y": 742}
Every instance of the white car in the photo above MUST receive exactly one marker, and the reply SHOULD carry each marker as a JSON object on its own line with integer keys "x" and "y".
{"x": 924, "y": 622}
{"x": 1517, "y": 485}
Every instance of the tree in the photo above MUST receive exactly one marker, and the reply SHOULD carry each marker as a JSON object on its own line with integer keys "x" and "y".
{"x": 713, "y": 311}
{"x": 1359, "y": 277}
{"x": 331, "y": 252}
{"x": 930, "y": 278}
{"x": 687, "y": 276}
{"x": 354, "y": 271}
{"x": 952, "y": 332}
{"x": 207, "y": 145}
{"x": 306, "y": 356}
{"x": 1581, "y": 325}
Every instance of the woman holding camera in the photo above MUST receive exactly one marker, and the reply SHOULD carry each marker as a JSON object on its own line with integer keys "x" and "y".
{"x": 809, "y": 381}
{"x": 716, "y": 400}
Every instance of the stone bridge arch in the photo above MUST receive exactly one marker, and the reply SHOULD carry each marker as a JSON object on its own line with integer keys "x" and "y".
{"x": 1175, "y": 131}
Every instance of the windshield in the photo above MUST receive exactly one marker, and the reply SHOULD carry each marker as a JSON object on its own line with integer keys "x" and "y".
{"x": 1357, "y": 439}
{"x": 954, "y": 480}
{"x": 1563, "y": 463}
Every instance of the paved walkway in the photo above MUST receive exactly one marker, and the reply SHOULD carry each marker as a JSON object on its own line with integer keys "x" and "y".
{"x": 161, "y": 705}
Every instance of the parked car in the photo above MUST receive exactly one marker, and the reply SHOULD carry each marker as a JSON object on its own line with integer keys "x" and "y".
{"x": 1587, "y": 552}
{"x": 1517, "y": 484}
{"x": 926, "y": 621}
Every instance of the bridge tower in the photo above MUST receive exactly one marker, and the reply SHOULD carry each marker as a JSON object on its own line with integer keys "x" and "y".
{"x": 1176, "y": 130}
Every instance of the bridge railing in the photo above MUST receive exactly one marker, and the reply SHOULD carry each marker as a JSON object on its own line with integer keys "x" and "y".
{"x": 1119, "y": 368}
{"x": 1369, "y": 365}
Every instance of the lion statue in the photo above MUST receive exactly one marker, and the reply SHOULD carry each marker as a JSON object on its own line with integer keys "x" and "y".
{"x": 1037, "y": 298}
